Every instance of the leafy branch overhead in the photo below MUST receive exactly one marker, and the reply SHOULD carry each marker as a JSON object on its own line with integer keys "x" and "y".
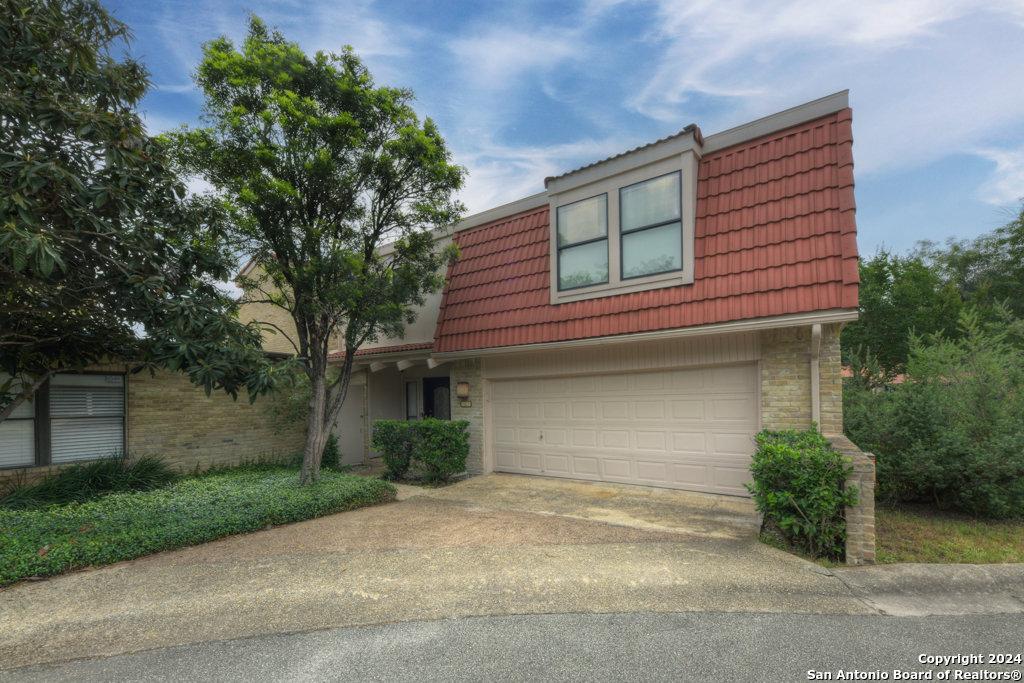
{"x": 335, "y": 190}
{"x": 102, "y": 257}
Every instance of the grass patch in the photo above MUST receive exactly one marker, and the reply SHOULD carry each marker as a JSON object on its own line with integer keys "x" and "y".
{"x": 926, "y": 535}
{"x": 124, "y": 526}
{"x": 86, "y": 481}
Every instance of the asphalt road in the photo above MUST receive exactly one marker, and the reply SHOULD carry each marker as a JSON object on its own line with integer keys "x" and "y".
{"x": 693, "y": 646}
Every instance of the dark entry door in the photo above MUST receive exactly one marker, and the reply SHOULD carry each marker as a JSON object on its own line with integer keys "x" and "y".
{"x": 437, "y": 398}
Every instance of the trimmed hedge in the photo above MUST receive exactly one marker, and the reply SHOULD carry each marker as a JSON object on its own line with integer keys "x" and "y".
{"x": 798, "y": 483}
{"x": 124, "y": 526}
{"x": 437, "y": 448}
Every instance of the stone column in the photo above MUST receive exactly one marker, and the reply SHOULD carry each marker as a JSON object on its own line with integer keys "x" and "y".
{"x": 860, "y": 519}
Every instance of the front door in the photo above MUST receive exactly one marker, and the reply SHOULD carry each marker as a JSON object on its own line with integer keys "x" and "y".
{"x": 437, "y": 398}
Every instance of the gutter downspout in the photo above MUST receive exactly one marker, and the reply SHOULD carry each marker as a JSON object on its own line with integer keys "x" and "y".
{"x": 815, "y": 376}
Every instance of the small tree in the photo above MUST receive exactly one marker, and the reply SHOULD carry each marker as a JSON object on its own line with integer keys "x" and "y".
{"x": 96, "y": 240}
{"x": 318, "y": 169}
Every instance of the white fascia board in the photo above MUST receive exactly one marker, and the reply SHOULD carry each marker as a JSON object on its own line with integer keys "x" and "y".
{"x": 391, "y": 358}
{"x": 627, "y": 162}
{"x": 837, "y": 315}
{"x": 776, "y": 122}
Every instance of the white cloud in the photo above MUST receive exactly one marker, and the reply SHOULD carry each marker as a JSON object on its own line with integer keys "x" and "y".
{"x": 1006, "y": 185}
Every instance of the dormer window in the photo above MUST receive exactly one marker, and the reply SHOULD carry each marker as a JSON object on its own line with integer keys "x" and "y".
{"x": 583, "y": 243}
{"x": 651, "y": 226}
{"x": 626, "y": 224}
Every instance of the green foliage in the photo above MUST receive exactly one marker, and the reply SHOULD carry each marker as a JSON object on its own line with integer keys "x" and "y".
{"x": 395, "y": 440}
{"x": 123, "y": 526}
{"x": 318, "y": 168}
{"x": 953, "y": 434}
{"x": 86, "y": 481}
{"x": 442, "y": 448}
{"x": 898, "y": 295}
{"x": 331, "y": 455}
{"x": 96, "y": 237}
{"x": 438, "y": 448}
{"x": 987, "y": 270}
{"x": 798, "y": 484}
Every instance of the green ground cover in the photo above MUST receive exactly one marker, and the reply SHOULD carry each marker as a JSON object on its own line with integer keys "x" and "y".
{"x": 124, "y": 526}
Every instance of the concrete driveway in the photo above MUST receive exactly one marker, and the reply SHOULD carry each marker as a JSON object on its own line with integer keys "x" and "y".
{"x": 637, "y": 507}
{"x": 496, "y": 545}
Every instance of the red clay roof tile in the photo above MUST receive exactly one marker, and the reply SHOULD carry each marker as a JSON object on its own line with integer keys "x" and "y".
{"x": 775, "y": 234}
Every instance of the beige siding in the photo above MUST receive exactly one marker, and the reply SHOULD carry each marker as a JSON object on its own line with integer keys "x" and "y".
{"x": 627, "y": 357}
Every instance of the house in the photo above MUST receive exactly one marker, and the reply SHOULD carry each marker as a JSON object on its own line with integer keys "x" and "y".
{"x": 638, "y": 322}
{"x": 643, "y": 317}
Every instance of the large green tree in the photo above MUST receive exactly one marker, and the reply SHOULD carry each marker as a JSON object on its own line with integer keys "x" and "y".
{"x": 898, "y": 295}
{"x": 101, "y": 257}
{"x": 319, "y": 169}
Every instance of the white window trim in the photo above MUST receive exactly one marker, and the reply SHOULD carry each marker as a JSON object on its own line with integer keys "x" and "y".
{"x": 678, "y": 155}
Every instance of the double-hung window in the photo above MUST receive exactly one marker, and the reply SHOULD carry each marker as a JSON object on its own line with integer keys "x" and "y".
{"x": 651, "y": 228}
{"x": 583, "y": 243}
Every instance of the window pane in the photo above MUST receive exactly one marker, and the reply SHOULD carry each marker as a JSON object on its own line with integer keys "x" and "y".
{"x": 652, "y": 251}
{"x": 17, "y": 443}
{"x": 85, "y": 438}
{"x": 650, "y": 202}
{"x": 410, "y": 401}
{"x": 582, "y": 221}
{"x": 583, "y": 265}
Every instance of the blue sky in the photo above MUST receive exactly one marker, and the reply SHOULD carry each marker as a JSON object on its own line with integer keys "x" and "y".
{"x": 523, "y": 90}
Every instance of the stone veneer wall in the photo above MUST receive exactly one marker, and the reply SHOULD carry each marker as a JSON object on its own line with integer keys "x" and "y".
{"x": 167, "y": 415}
{"x": 786, "y": 379}
{"x": 170, "y": 417}
{"x": 469, "y": 371}
{"x": 860, "y": 519}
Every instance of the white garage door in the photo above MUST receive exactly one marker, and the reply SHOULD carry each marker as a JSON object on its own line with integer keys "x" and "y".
{"x": 686, "y": 429}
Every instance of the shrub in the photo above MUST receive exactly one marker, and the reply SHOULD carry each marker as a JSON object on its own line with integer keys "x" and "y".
{"x": 85, "y": 481}
{"x": 798, "y": 484}
{"x": 123, "y": 526}
{"x": 331, "y": 456}
{"x": 953, "y": 434}
{"x": 438, "y": 448}
{"x": 442, "y": 448}
{"x": 394, "y": 440}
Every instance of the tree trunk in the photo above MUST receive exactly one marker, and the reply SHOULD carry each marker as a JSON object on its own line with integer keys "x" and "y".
{"x": 316, "y": 435}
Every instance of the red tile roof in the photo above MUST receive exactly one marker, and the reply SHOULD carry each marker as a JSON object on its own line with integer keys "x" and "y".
{"x": 386, "y": 349}
{"x": 775, "y": 234}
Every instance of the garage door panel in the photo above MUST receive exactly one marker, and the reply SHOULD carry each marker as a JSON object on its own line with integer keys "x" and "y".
{"x": 616, "y": 468}
{"x": 531, "y": 462}
{"x": 690, "y": 475}
{"x": 692, "y": 409}
{"x": 730, "y": 409}
{"x": 650, "y": 410}
{"x": 615, "y": 438}
{"x": 615, "y": 410}
{"x": 587, "y": 468}
{"x": 652, "y": 471}
{"x": 740, "y": 443}
{"x": 730, "y": 478}
{"x": 693, "y": 443}
{"x": 585, "y": 438}
{"x": 689, "y": 429}
{"x": 650, "y": 441}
